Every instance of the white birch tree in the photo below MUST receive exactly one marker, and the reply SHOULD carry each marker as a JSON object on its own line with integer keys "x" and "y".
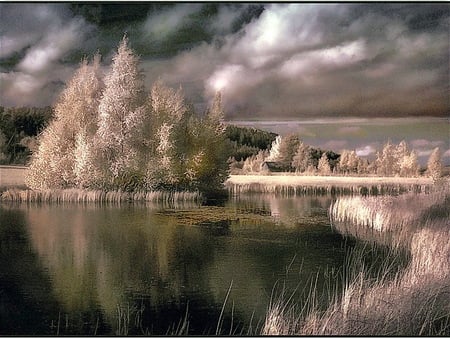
{"x": 274, "y": 153}
{"x": 324, "y": 165}
{"x": 253, "y": 164}
{"x": 401, "y": 155}
{"x": 301, "y": 161}
{"x": 434, "y": 165}
{"x": 386, "y": 159}
{"x": 409, "y": 166}
{"x": 348, "y": 162}
{"x": 288, "y": 148}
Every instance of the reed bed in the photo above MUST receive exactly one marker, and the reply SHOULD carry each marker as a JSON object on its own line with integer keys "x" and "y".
{"x": 97, "y": 196}
{"x": 236, "y": 189}
{"x": 389, "y": 220}
{"x": 415, "y": 300}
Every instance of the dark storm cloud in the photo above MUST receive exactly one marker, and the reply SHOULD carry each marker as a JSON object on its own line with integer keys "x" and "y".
{"x": 305, "y": 60}
{"x": 35, "y": 46}
{"x": 283, "y": 60}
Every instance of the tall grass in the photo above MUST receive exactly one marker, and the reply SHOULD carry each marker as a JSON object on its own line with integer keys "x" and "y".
{"x": 97, "y": 196}
{"x": 412, "y": 301}
{"x": 324, "y": 189}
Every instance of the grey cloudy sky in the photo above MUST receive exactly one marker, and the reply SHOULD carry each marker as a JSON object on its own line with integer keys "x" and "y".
{"x": 270, "y": 60}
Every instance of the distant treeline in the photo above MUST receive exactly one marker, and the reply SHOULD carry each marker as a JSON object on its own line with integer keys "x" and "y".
{"x": 246, "y": 142}
{"x": 18, "y": 130}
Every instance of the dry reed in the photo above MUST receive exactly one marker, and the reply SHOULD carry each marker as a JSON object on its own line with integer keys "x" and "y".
{"x": 324, "y": 189}
{"x": 416, "y": 301}
{"x": 97, "y": 196}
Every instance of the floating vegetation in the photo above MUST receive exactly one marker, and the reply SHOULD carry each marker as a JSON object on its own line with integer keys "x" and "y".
{"x": 212, "y": 217}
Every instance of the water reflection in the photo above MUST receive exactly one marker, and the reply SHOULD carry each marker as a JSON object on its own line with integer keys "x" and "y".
{"x": 94, "y": 258}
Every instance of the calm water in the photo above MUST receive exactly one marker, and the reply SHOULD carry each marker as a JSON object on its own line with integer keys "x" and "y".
{"x": 72, "y": 269}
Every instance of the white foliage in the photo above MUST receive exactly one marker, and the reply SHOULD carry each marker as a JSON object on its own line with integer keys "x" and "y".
{"x": 434, "y": 164}
{"x": 216, "y": 115}
{"x": 274, "y": 153}
{"x": 165, "y": 144}
{"x": 348, "y": 162}
{"x": 324, "y": 165}
{"x": 81, "y": 96}
{"x": 53, "y": 163}
{"x": 120, "y": 109}
{"x": 302, "y": 158}
{"x": 84, "y": 168}
{"x": 195, "y": 165}
{"x": 386, "y": 160}
{"x": 253, "y": 164}
{"x": 166, "y": 103}
{"x": 409, "y": 166}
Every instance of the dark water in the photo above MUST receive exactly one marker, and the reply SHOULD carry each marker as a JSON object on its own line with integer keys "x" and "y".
{"x": 74, "y": 269}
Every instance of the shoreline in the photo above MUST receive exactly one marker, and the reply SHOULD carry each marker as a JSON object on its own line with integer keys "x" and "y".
{"x": 303, "y": 180}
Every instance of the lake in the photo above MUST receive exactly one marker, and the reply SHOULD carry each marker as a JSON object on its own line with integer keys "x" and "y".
{"x": 134, "y": 269}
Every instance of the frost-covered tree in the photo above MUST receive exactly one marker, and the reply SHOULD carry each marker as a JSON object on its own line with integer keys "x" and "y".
{"x": 120, "y": 115}
{"x": 253, "y": 164}
{"x": 274, "y": 153}
{"x": 216, "y": 114}
{"x": 434, "y": 164}
{"x": 85, "y": 168}
{"x": 348, "y": 162}
{"x": 363, "y": 166}
{"x": 53, "y": 164}
{"x": 386, "y": 160}
{"x": 288, "y": 148}
{"x": 324, "y": 165}
{"x": 166, "y": 136}
{"x": 301, "y": 161}
{"x": 77, "y": 107}
{"x": 106, "y": 135}
{"x": 401, "y": 152}
{"x": 409, "y": 166}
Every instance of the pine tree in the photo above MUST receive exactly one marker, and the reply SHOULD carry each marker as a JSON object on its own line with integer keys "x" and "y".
{"x": 434, "y": 165}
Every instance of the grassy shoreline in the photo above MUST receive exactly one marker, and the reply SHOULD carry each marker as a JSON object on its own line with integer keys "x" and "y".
{"x": 416, "y": 301}
{"x": 284, "y": 179}
{"x": 322, "y": 185}
{"x": 96, "y": 196}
